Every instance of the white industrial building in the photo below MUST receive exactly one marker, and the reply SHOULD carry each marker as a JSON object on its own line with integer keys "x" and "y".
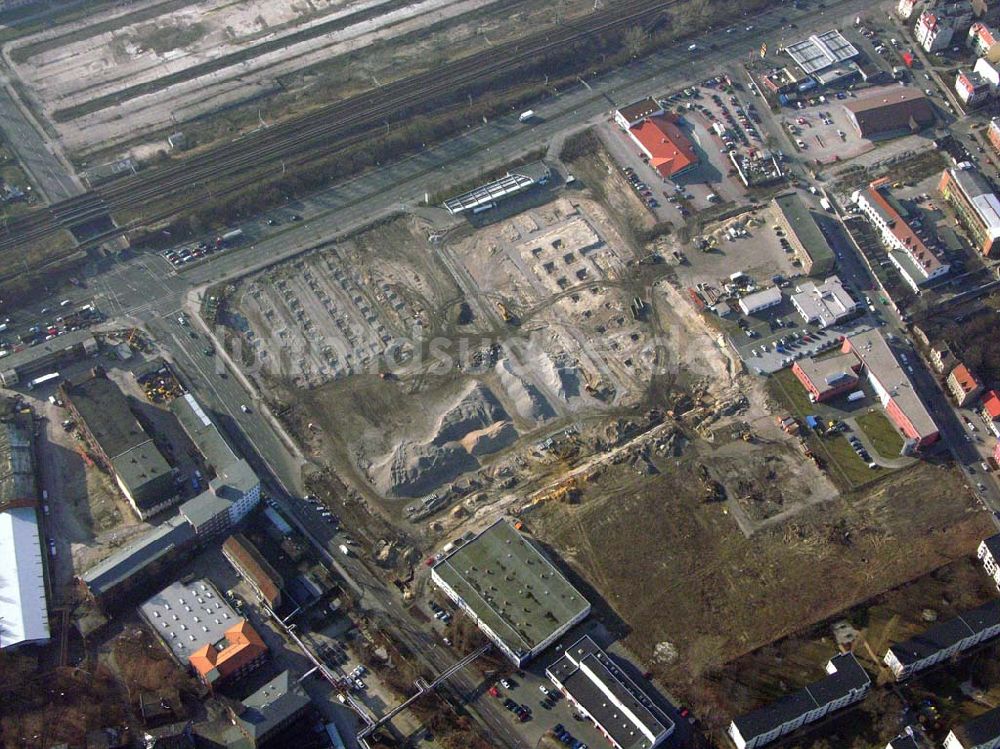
{"x": 598, "y": 688}
{"x": 24, "y": 615}
{"x": 824, "y": 304}
{"x": 827, "y": 57}
{"x": 510, "y": 589}
{"x": 759, "y": 301}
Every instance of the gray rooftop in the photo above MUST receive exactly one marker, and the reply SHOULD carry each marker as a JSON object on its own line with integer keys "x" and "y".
{"x": 202, "y": 431}
{"x": 17, "y": 463}
{"x": 279, "y": 700}
{"x": 188, "y": 617}
{"x": 829, "y": 370}
{"x": 827, "y": 302}
{"x": 821, "y": 51}
{"x": 592, "y": 678}
{"x": 512, "y": 587}
{"x": 849, "y": 675}
{"x": 34, "y": 355}
{"x": 131, "y": 559}
{"x": 876, "y": 353}
{"x": 234, "y": 480}
{"x": 948, "y": 633}
{"x": 202, "y": 508}
{"x": 800, "y": 220}
{"x": 981, "y": 731}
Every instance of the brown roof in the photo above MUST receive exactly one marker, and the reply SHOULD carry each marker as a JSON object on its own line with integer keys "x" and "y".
{"x": 891, "y": 109}
{"x": 240, "y": 646}
{"x": 254, "y": 566}
{"x": 964, "y": 378}
{"x": 640, "y": 109}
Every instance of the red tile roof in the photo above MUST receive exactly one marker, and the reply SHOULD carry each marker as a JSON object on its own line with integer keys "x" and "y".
{"x": 991, "y": 404}
{"x": 242, "y": 645}
{"x": 915, "y": 247}
{"x": 965, "y": 379}
{"x": 670, "y": 150}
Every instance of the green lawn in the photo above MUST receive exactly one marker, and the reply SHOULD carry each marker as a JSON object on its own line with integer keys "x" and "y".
{"x": 854, "y": 470}
{"x": 787, "y": 388}
{"x": 884, "y": 437}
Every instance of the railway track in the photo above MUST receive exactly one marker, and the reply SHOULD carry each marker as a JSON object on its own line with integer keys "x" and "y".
{"x": 334, "y": 128}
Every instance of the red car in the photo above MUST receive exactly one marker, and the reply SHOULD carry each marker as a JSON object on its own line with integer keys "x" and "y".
{"x": 494, "y": 692}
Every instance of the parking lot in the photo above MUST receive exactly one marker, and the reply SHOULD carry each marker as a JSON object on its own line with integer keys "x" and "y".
{"x": 824, "y": 131}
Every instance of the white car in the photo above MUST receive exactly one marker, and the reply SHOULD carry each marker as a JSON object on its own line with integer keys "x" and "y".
{"x": 692, "y": 47}
{"x": 244, "y": 408}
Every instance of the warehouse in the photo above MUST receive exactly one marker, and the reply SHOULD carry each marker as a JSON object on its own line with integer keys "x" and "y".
{"x": 104, "y": 415}
{"x": 516, "y": 596}
{"x": 826, "y": 58}
{"x": 890, "y": 113}
{"x": 666, "y": 146}
{"x": 203, "y": 433}
{"x": 804, "y": 235}
{"x": 944, "y": 640}
{"x": 975, "y": 204}
{"x": 759, "y": 301}
{"x": 24, "y": 617}
{"x": 846, "y": 682}
{"x": 600, "y": 690}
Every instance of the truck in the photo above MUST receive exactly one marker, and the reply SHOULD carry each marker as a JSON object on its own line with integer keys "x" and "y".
{"x": 527, "y": 116}
{"x": 856, "y": 395}
{"x": 825, "y": 202}
{"x": 232, "y": 236}
{"x": 484, "y": 208}
{"x": 344, "y": 550}
{"x": 42, "y": 380}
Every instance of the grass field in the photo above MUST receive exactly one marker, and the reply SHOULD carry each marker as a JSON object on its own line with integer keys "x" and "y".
{"x": 677, "y": 575}
{"x": 883, "y": 435}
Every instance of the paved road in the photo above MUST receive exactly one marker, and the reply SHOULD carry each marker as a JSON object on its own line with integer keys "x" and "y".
{"x": 52, "y": 174}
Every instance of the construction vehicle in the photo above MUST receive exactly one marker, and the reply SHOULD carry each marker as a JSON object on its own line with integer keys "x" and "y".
{"x": 505, "y": 313}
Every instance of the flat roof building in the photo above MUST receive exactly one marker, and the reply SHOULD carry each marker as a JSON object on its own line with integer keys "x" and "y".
{"x": 254, "y": 568}
{"x": 105, "y": 416}
{"x": 944, "y": 640}
{"x": 598, "y": 688}
{"x": 808, "y": 242}
{"x": 20, "y": 365}
{"x": 272, "y": 708}
{"x": 820, "y": 52}
{"x": 846, "y": 682}
{"x": 989, "y": 554}
{"x": 975, "y": 204}
{"x": 202, "y": 431}
{"x": 635, "y": 113}
{"x": 827, "y": 377}
{"x": 979, "y": 733}
{"x": 891, "y": 112}
{"x": 761, "y": 300}
{"x": 188, "y": 616}
{"x": 516, "y": 596}
{"x": 895, "y": 389}
{"x": 228, "y": 499}
{"x": 24, "y": 612}
{"x": 824, "y": 304}
{"x": 517, "y": 180}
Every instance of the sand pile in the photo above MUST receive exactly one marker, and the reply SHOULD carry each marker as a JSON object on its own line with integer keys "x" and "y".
{"x": 475, "y": 424}
{"x": 528, "y": 401}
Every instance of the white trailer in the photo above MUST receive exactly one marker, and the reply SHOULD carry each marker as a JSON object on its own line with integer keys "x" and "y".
{"x": 527, "y": 116}
{"x": 856, "y": 395}
{"x": 344, "y": 550}
{"x": 42, "y": 380}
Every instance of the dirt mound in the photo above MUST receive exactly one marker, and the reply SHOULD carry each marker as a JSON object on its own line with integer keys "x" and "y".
{"x": 472, "y": 424}
{"x": 527, "y": 399}
{"x": 489, "y": 440}
{"x": 416, "y": 469}
{"x": 479, "y": 408}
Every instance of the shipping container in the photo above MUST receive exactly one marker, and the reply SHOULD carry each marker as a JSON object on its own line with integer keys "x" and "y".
{"x": 856, "y": 395}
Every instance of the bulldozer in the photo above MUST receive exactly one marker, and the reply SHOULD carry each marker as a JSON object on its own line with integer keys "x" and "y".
{"x": 504, "y": 312}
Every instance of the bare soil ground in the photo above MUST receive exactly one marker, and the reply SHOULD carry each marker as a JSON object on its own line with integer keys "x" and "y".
{"x": 150, "y": 69}
{"x": 694, "y": 591}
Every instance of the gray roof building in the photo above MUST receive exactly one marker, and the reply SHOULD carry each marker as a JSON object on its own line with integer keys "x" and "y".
{"x": 202, "y": 431}
{"x": 515, "y": 594}
{"x": 229, "y": 496}
{"x": 17, "y": 462}
{"x": 888, "y": 112}
{"x": 846, "y": 682}
{"x": 139, "y": 560}
{"x": 806, "y": 238}
{"x": 979, "y": 733}
{"x": 67, "y": 347}
{"x": 944, "y": 639}
{"x": 270, "y": 709}
{"x": 106, "y": 416}
{"x": 620, "y": 708}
